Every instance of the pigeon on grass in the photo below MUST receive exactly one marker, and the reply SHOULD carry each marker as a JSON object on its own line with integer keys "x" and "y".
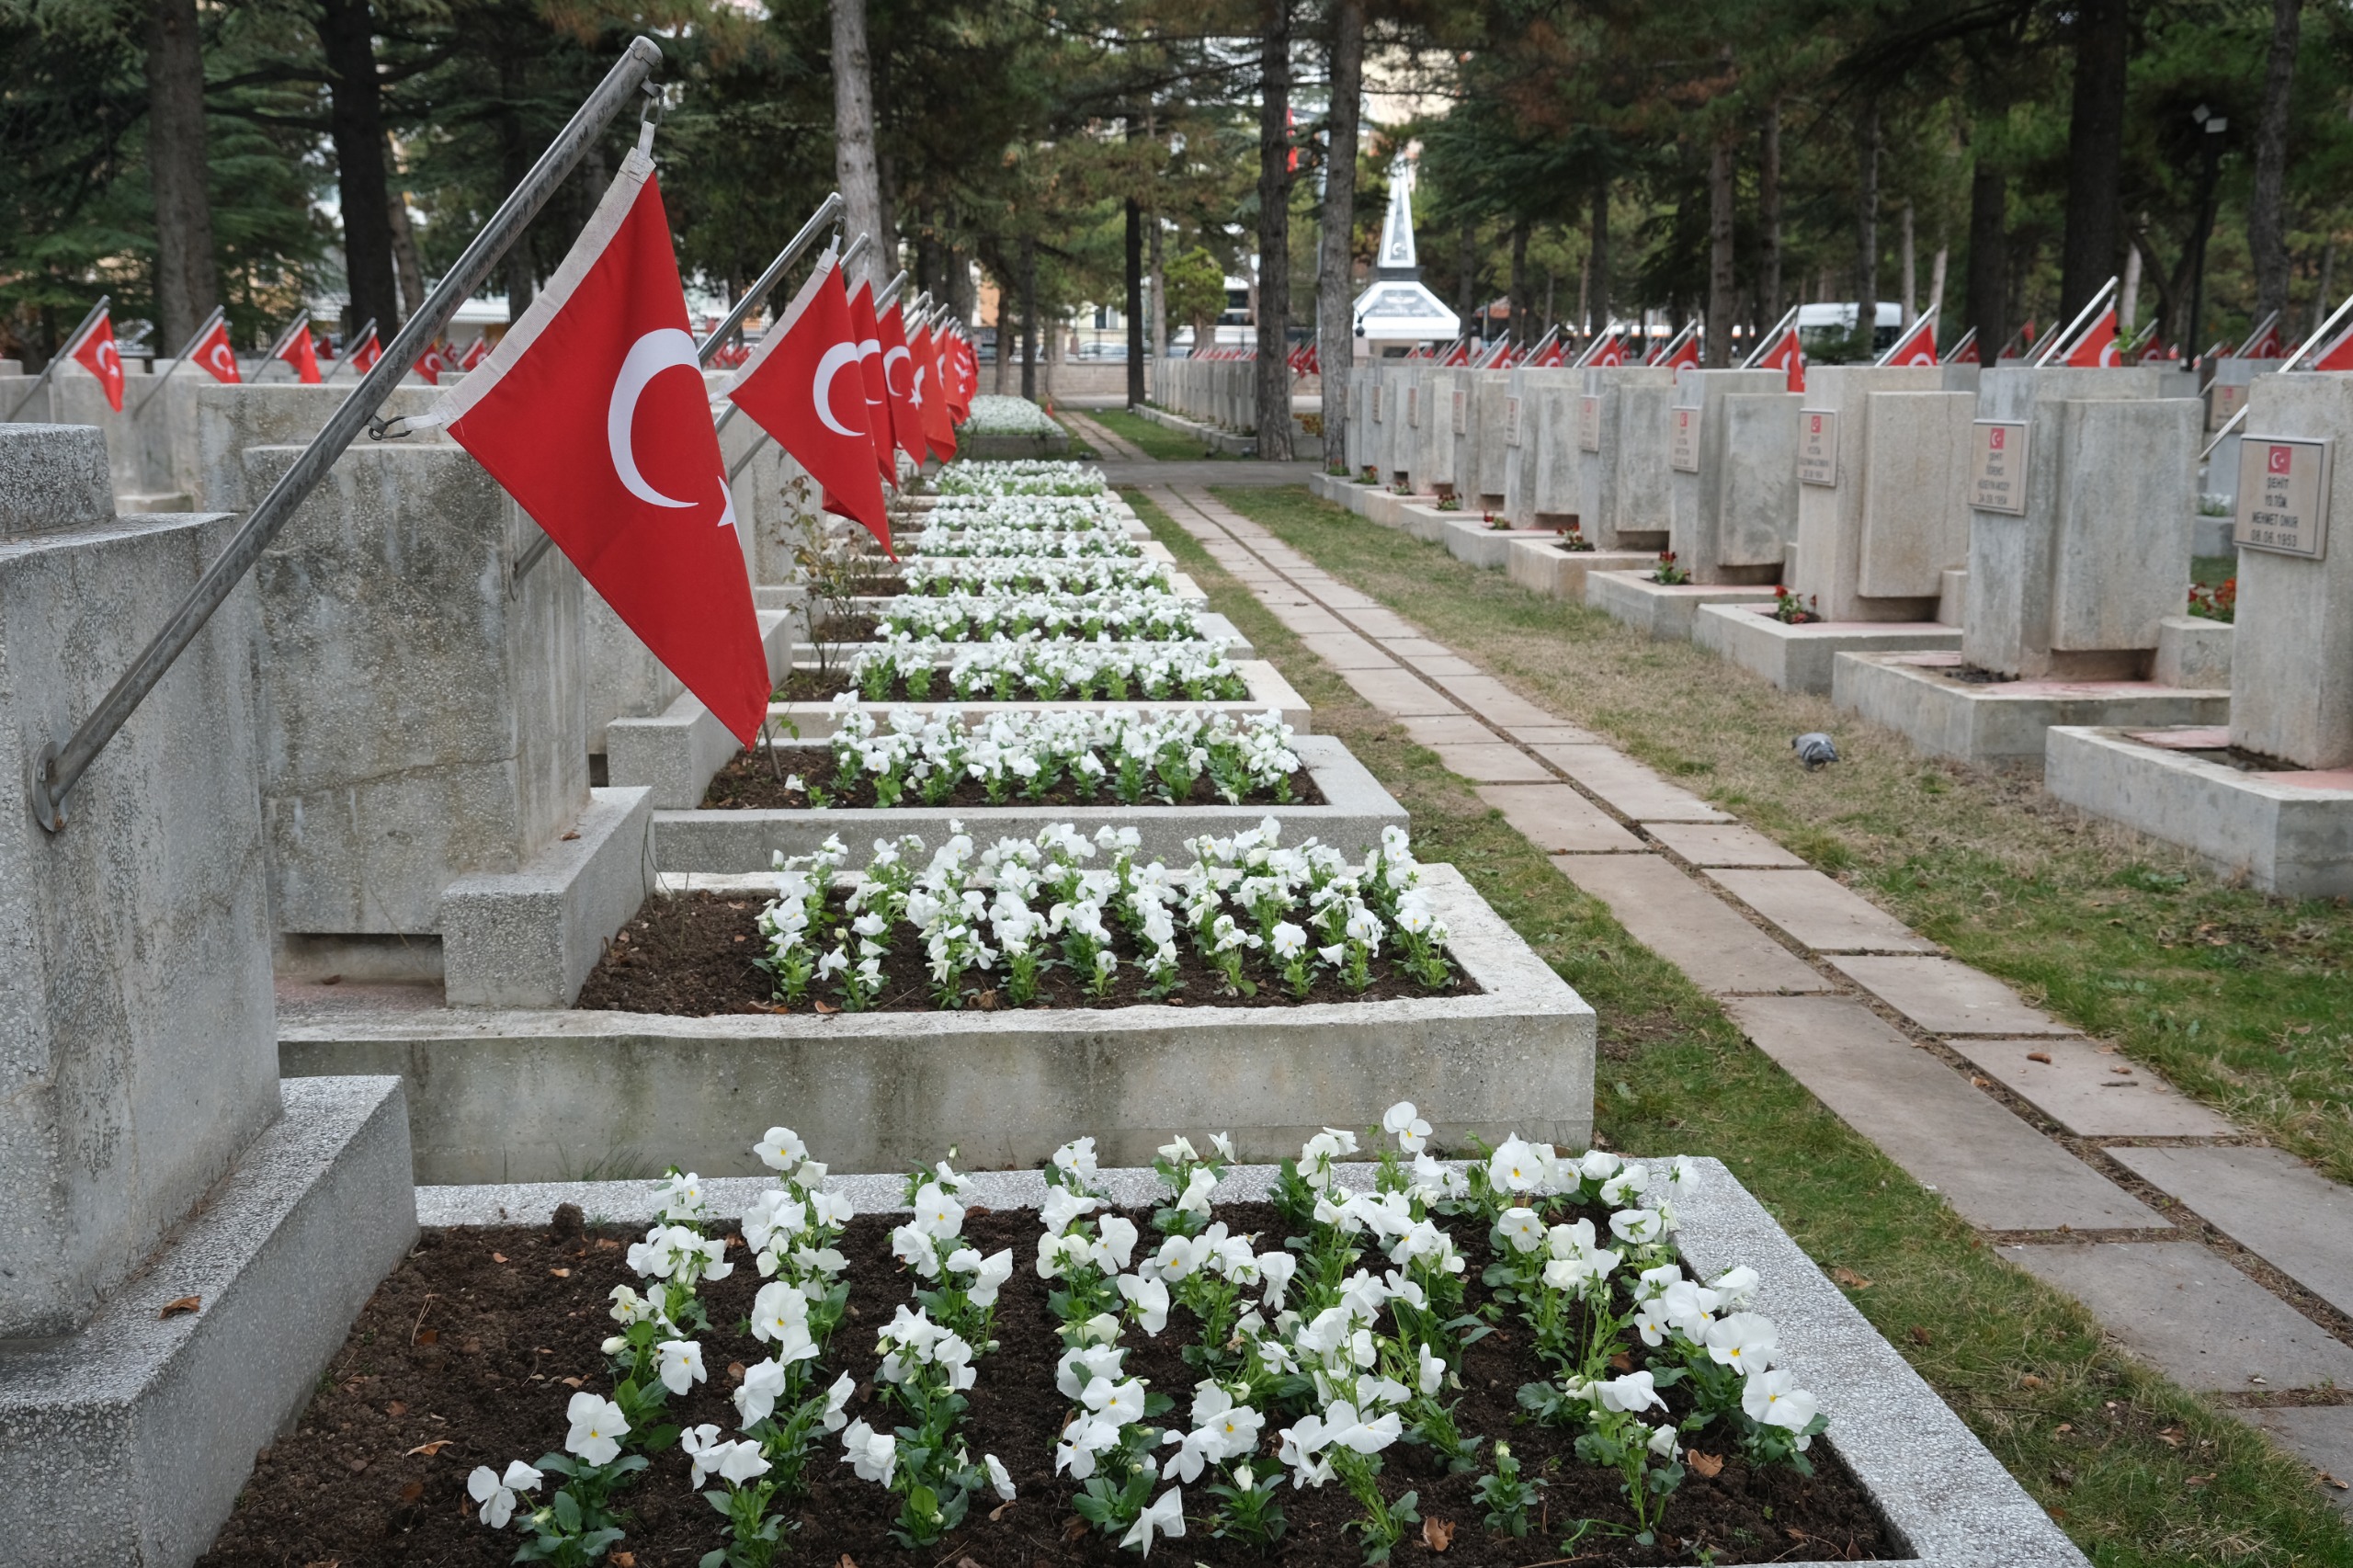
{"x": 1814, "y": 748}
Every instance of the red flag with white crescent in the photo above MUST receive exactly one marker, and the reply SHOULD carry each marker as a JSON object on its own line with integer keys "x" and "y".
{"x": 1787, "y": 355}
{"x": 1552, "y": 359}
{"x": 931, "y": 396}
{"x": 97, "y": 354}
{"x": 591, "y": 413}
{"x": 218, "y": 356}
{"x": 1611, "y": 355}
{"x": 2096, "y": 348}
{"x": 365, "y": 355}
{"x": 802, "y": 386}
{"x": 433, "y": 364}
{"x": 2267, "y": 346}
{"x": 300, "y": 355}
{"x": 1918, "y": 346}
{"x": 474, "y": 355}
{"x": 877, "y": 388}
{"x": 2338, "y": 356}
{"x": 1965, "y": 351}
{"x": 899, "y": 385}
{"x": 1686, "y": 355}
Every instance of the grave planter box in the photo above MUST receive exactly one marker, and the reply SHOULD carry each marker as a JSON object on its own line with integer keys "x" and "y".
{"x": 1355, "y": 809}
{"x": 1798, "y": 658}
{"x": 1538, "y": 564}
{"x": 542, "y": 1095}
{"x": 2287, "y": 832}
{"x": 1269, "y": 690}
{"x": 2002, "y": 724}
{"x": 976, "y": 446}
{"x": 1212, "y": 628}
{"x": 1944, "y": 1501}
{"x": 1667, "y": 611}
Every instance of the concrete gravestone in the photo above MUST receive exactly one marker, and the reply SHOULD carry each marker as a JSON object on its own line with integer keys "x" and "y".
{"x": 1624, "y": 500}
{"x": 146, "y": 1152}
{"x": 1735, "y": 505}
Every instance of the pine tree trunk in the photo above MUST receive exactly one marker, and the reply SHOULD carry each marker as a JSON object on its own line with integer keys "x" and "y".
{"x": 188, "y": 286}
{"x": 854, "y": 167}
{"x": 1029, "y": 317}
{"x": 1599, "y": 256}
{"x": 2095, "y": 152}
{"x": 1768, "y": 215}
{"x": 1135, "y": 303}
{"x": 1518, "y": 296}
{"x": 1988, "y": 286}
{"x": 1336, "y": 266}
{"x": 1273, "y": 380}
{"x": 2267, "y": 220}
{"x": 1718, "y": 327}
{"x": 1466, "y": 287}
{"x": 356, "y": 120}
{"x": 1910, "y": 269}
{"x": 1866, "y": 235}
{"x": 405, "y": 264}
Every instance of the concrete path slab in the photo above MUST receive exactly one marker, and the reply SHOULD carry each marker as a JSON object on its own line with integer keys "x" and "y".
{"x": 1442, "y": 666}
{"x": 2190, "y": 1313}
{"x": 2076, "y": 1084}
{"x": 1997, "y": 1173}
{"x": 1706, "y": 844}
{"x": 1947, "y": 998}
{"x": 1416, "y": 647}
{"x": 1559, "y": 821}
{"x": 1374, "y": 621}
{"x": 1307, "y": 620}
{"x": 1492, "y": 701}
{"x": 2321, "y": 1435}
{"x": 1393, "y": 691}
{"x": 1688, "y": 925}
{"x": 1493, "y": 762}
{"x": 1347, "y": 651}
{"x": 2270, "y": 1203}
{"x": 1820, "y": 913}
{"x": 1447, "y": 729}
{"x": 1629, "y": 785}
{"x": 1552, "y": 735}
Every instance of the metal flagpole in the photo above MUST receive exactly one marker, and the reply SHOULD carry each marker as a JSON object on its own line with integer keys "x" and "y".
{"x": 889, "y": 292}
{"x": 302, "y": 321}
{"x": 1928, "y": 315}
{"x": 73, "y": 341}
{"x": 1770, "y": 338}
{"x": 58, "y": 769}
{"x": 2317, "y": 341}
{"x": 181, "y": 359}
{"x": 350, "y": 346}
{"x": 2083, "y": 319}
{"x": 2256, "y": 336}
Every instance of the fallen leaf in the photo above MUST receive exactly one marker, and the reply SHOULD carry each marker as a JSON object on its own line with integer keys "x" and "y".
{"x": 431, "y": 1448}
{"x": 2042, "y": 1056}
{"x": 2198, "y": 1480}
{"x": 606, "y": 1243}
{"x": 561, "y": 1273}
{"x": 498, "y": 1257}
{"x": 1707, "y": 1467}
{"x": 411, "y": 1492}
{"x": 822, "y": 1008}
{"x": 395, "y": 1408}
{"x": 998, "y": 1512}
{"x": 621, "y": 1559}
{"x": 568, "y": 838}
{"x": 1075, "y": 1529}
{"x": 2029, "y": 1382}
{"x": 1437, "y": 1534}
{"x": 1919, "y": 1335}
{"x": 1980, "y": 1082}
{"x": 428, "y": 1337}
{"x": 847, "y": 1562}
{"x": 970, "y": 1563}
{"x": 324, "y": 1563}
{"x": 185, "y": 1305}
{"x": 1623, "y": 1362}
{"x": 735, "y": 1372}
{"x": 1849, "y": 1279}
{"x": 355, "y": 1467}
{"x": 572, "y": 1382}
{"x": 2332, "y": 1481}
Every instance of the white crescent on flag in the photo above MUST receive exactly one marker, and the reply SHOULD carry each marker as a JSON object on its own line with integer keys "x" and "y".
{"x": 665, "y": 348}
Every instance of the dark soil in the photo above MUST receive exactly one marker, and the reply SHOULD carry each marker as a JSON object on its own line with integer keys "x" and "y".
{"x": 690, "y": 956}
{"x": 749, "y": 783}
{"x": 475, "y": 1343}
{"x": 812, "y": 686}
{"x": 850, "y": 628}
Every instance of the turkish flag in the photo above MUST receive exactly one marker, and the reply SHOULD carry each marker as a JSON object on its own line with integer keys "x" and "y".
{"x": 2267, "y": 347}
{"x": 802, "y": 386}
{"x": 298, "y": 353}
{"x": 364, "y": 356}
{"x": 1687, "y": 357}
{"x": 878, "y": 390}
{"x": 955, "y": 365}
{"x": 1611, "y": 355}
{"x": 930, "y": 397}
{"x": 591, "y": 413}
{"x": 217, "y": 355}
{"x": 432, "y": 365}
{"x": 96, "y": 353}
{"x": 1552, "y": 359}
{"x": 2096, "y": 348}
{"x": 1918, "y": 346}
{"x": 899, "y": 386}
{"x": 1787, "y": 355}
{"x": 476, "y": 355}
{"x": 1965, "y": 351}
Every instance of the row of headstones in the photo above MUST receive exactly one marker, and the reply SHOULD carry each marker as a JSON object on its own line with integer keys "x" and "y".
{"x": 1223, "y": 393}
{"x": 2066, "y": 496}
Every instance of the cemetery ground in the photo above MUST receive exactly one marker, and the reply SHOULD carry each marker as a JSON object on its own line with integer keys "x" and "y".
{"x": 2238, "y": 1000}
{"x": 1156, "y": 441}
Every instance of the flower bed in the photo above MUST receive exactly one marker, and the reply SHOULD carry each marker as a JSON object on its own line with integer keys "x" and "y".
{"x": 1135, "y": 614}
{"x": 997, "y": 572}
{"x": 1066, "y": 671}
{"x": 997, "y": 414}
{"x": 1030, "y": 923}
{"x": 1507, "y": 1360}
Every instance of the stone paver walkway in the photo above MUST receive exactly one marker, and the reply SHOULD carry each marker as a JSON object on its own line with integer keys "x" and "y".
{"x": 2027, "y": 1129}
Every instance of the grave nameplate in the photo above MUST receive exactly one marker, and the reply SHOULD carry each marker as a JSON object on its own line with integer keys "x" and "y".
{"x": 2283, "y": 496}
{"x": 2222, "y": 400}
{"x": 1462, "y": 413}
{"x": 1818, "y": 446}
{"x": 1414, "y": 406}
{"x": 1589, "y": 423}
{"x": 1683, "y": 440}
{"x": 1997, "y": 466}
{"x": 1511, "y": 422}
{"x": 1376, "y": 401}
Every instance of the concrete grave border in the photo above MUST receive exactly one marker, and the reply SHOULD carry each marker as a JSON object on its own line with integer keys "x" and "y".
{"x": 1801, "y": 658}
{"x": 1944, "y": 1498}
{"x": 1665, "y": 610}
{"x": 536, "y": 1095}
{"x": 2002, "y": 724}
{"x": 1355, "y": 810}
